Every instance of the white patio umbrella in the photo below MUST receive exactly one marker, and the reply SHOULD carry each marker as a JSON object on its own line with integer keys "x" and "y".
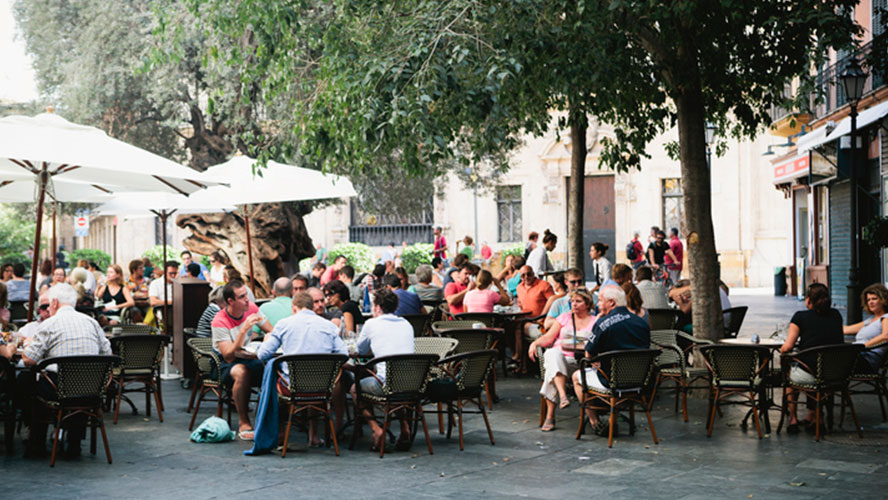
{"x": 46, "y": 148}
{"x": 276, "y": 182}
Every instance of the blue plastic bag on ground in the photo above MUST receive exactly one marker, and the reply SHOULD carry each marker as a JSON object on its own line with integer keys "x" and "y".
{"x": 212, "y": 430}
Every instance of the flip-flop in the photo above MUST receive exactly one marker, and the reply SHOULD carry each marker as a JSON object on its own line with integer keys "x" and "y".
{"x": 246, "y": 435}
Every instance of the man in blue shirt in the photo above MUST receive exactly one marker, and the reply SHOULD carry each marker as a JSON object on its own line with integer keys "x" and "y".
{"x": 304, "y": 333}
{"x": 617, "y": 328}
{"x": 408, "y": 302}
{"x": 188, "y": 259}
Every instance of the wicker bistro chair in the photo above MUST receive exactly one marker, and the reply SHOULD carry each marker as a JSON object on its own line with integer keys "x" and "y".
{"x": 477, "y": 339}
{"x": 442, "y": 347}
{"x": 7, "y": 406}
{"x": 662, "y": 319}
{"x": 734, "y": 320}
{"x": 312, "y": 377}
{"x": 673, "y": 365}
{"x": 406, "y": 378}
{"x": 140, "y": 363}
{"x": 490, "y": 320}
{"x": 735, "y": 369}
{"x": 874, "y": 380}
{"x": 464, "y": 383}
{"x": 419, "y": 322}
{"x": 832, "y": 370}
{"x": 132, "y": 329}
{"x": 209, "y": 378}
{"x": 81, "y": 382}
{"x": 630, "y": 379}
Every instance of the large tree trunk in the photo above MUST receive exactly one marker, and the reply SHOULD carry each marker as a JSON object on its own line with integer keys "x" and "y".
{"x": 576, "y": 196}
{"x": 707, "y": 317}
{"x": 278, "y": 236}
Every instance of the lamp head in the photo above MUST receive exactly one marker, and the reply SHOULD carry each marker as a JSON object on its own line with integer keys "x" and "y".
{"x": 853, "y": 79}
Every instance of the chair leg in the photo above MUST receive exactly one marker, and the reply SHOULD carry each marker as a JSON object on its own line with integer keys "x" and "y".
{"x": 487, "y": 392}
{"x": 647, "y": 413}
{"x": 55, "y": 439}
{"x": 684, "y": 399}
{"x": 92, "y": 435}
{"x": 159, "y": 388}
{"x": 713, "y": 406}
{"x": 203, "y": 392}
{"x": 459, "y": 415}
{"x": 449, "y": 418}
{"x": 783, "y": 410}
{"x": 287, "y": 432}
{"x": 817, "y": 420}
{"x": 847, "y": 397}
{"x": 159, "y": 402}
{"x": 194, "y": 385}
{"x": 613, "y": 420}
{"x": 119, "y": 397}
{"x": 582, "y": 421}
{"x": 147, "y": 400}
{"x": 332, "y": 428}
{"x": 385, "y": 421}
{"x": 440, "y": 420}
{"x": 104, "y": 435}
{"x": 758, "y": 425}
{"x": 425, "y": 429}
{"x": 486, "y": 422}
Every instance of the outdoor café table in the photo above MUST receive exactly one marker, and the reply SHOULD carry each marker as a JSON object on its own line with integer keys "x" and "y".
{"x": 766, "y": 388}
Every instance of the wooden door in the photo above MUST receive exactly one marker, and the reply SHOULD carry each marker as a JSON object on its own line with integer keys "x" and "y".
{"x": 599, "y": 223}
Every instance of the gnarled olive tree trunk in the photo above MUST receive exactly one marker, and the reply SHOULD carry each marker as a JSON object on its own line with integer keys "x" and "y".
{"x": 278, "y": 236}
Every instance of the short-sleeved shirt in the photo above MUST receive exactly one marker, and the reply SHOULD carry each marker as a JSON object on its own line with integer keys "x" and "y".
{"x": 225, "y": 327}
{"x": 534, "y": 298}
{"x": 156, "y": 289}
{"x": 205, "y": 323}
{"x": 816, "y": 330}
{"x": 386, "y": 335}
{"x": 302, "y": 333}
{"x": 408, "y": 303}
{"x": 141, "y": 287}
{"x": 329, "y": 275}
{"x": 427, "y": 292}
{"x": 539, "y": 261}
{"x": 352, "y": 307}
{"x": 677, "y": 249}
{"x": 481, "y": 301}
{"x": 18, "y": 290}
{"x": 453, "y": 288}
{"x": 276, "y": 310}
{"x": 559, "y": 307}
{"x": 183, "y": 271}
{"x": 67, "y": 333}
{"x": 659, "y": 251}
{"x": 619, "y": 329}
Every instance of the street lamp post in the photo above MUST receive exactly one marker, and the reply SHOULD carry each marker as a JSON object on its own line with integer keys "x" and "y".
{"x": 709, "y": 138}
{"x": 853, "y": 80}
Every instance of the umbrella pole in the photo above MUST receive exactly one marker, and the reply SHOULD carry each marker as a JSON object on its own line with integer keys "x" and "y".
{"x": 163, "y": 230}
{"x": 55, "y": 247}
{"x": 43, "y": 177}
{"x": 249, "y": 251}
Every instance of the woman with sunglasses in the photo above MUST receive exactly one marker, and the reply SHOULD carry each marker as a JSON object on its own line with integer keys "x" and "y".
{"x": 338, "y": 296}
{"x": 217, "y": 269}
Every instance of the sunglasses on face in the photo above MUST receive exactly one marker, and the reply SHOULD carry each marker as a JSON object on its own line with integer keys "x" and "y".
{"x": 527, "y": 275}
{"x": 575, "y": 282}
{"x": 43, "y": 307}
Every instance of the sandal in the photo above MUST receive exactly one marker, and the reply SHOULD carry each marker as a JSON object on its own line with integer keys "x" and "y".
{"x": 246, "y": 435}
{"x": 548, "y": 425}
{"x": 564, "y": 402}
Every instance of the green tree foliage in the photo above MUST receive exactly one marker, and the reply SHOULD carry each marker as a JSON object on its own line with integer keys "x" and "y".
{"x": 359, "y": 255}
{"x": 155, "y": 254}
{"x": 432, "y": 81}
{"x": 102, "y": 259}
{"x": 16, "y": 237}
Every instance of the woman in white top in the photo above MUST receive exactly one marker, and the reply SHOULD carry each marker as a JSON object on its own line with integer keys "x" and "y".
{"x": 538, "y": 259}
{"x": 560, "y": 364}
{"x": 601, "y": 267}
{"x": 874, "y": 330}
{"x": 438, "y": 272}
{"x": 217, "y": 269}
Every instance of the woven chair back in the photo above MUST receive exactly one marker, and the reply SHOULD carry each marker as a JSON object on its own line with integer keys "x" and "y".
{"x": 419, "y": 322}
{"x": 662, "y": 319}
{"x": 407, "y": 375}
{"x": 312, "y": 373}
{"x": 471, "y": 339}
{"x": 440, "y": 346}
{"x": 835, "y": 363}
{"x": 666, "y": 338}
{"x": 630, "y": 369}
{"x": 734, "y": 320}
{"x": 201, "y": 347}
{"x": 82, "y": 376}
{"x": 474, "y": 369}
{"x": 440, "y": 327}
{"x": 133, "y": 329}
{"x": 735, "y": 362}
{"x": 139, "y": 352}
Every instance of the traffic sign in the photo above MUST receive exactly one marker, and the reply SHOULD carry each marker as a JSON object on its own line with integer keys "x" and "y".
{"x": 81, "y": 223}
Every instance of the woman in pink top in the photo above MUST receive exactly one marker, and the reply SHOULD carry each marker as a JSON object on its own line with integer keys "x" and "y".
{"x": 560, "y": 365}
{"x": 482, "y": 298}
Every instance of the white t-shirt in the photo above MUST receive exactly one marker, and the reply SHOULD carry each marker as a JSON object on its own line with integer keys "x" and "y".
{"x": 538, "y": 260}
{"x": 386, "y": 335}
{"x": 155, "y": 289}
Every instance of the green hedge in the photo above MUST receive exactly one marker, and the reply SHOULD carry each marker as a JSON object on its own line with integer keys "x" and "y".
{"x": 359, "y": 255}
{"x": 416, "y": 254}
{"x": 102, "y": 259}
{"x": 515, "y": 250}
{"x": 156, "y": 254}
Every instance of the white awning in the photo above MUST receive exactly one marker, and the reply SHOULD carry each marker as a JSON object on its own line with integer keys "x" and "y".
{"x": 819, "y": 136}
{"x": 812, "y": 139}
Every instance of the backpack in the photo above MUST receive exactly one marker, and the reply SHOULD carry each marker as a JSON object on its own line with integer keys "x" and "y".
{"x": 631, "y": 254}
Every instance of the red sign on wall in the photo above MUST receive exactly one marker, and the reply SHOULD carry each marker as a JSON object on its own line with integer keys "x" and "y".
{"x": 793, "y": 168}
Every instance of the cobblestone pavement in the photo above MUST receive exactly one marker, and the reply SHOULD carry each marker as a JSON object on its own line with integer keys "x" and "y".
{"x": 154, "y": 460}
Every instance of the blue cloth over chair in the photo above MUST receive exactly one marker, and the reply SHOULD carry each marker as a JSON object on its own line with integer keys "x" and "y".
{"x": 265, "y": 437}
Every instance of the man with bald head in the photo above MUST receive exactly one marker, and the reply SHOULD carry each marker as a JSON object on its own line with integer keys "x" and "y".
{"x": 533, "y": 294}
{"x": 319, "y": 306}
{"x": 281, "y": 306}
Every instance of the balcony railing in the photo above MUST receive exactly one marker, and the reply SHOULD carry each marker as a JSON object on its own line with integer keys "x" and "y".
{"x": 829, "y": 95}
